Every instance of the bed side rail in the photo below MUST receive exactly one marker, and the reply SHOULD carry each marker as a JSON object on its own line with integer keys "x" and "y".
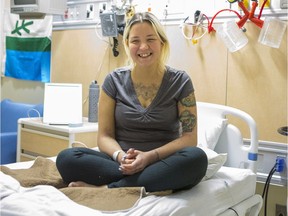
{"x": 231, "y": 140}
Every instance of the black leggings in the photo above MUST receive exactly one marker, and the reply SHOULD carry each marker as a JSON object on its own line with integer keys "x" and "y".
{"x": 182, "y": 170}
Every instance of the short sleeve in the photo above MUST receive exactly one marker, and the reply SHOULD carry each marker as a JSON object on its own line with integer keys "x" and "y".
{"x": 187, "y": 86}
{"x": 109, "y": 87}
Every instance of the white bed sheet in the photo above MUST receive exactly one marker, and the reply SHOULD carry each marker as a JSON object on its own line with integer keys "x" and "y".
{"x": 226, "y": 188}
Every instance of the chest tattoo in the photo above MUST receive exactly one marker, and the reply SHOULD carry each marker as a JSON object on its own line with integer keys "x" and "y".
{"x": 147, "y": 92}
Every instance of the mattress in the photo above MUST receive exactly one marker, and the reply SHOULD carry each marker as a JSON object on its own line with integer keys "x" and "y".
{"x": 211, "y": 197}
{"x": 225, "y": 189}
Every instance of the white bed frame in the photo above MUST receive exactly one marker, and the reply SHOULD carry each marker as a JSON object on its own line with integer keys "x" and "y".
{"x": 239, "y": 155}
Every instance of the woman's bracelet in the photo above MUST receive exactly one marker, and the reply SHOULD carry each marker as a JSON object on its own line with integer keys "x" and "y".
{"x": 115, "y": 154}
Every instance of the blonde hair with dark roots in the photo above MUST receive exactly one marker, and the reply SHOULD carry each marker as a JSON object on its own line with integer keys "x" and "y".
{"x": 158, "y": 28}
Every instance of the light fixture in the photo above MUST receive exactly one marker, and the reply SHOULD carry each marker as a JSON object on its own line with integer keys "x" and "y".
{"x": 37, "y": 9}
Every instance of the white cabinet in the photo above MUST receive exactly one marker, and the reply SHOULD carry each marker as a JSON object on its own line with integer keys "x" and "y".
{"x": 38, "y": 139}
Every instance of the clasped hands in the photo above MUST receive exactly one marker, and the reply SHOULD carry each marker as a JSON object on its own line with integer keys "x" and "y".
{"x": 134, "y": 161}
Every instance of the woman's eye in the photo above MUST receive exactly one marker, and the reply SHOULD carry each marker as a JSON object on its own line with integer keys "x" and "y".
{"x": 134, "y": 41}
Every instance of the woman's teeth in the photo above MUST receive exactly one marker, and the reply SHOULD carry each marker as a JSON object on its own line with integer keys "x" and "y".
{"x": 144, "y": 55}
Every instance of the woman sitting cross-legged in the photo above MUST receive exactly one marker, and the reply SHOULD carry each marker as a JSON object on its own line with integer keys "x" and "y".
{"x": 147, "y": 122}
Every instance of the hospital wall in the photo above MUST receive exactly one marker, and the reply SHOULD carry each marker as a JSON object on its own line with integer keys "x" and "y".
{"x": 253, "y": 79}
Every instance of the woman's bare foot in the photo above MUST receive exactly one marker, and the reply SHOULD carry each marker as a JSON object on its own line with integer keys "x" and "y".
{"x": 84, "y": 184}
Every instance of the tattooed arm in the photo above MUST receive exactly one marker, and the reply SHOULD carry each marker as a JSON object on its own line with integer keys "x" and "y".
{"x": 188, "y": 114}
{"x": 188, "y": 117}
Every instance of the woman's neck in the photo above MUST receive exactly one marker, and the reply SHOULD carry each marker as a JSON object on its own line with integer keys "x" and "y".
{"x": 147, "y": 74}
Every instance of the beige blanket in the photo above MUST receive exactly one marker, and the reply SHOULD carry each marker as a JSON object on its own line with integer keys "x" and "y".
{"x": 44, "y": 172}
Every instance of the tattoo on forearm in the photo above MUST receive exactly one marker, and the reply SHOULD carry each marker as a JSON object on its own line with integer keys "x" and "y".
{"x": 188, "y": 121}
{"x": 188, "y": 101}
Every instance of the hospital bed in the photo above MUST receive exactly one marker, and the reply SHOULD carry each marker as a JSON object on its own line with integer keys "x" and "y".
{"x": 228, "y": 188}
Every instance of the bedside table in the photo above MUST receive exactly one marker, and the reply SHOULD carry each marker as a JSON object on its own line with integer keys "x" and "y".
{"x": 38, "y": 139}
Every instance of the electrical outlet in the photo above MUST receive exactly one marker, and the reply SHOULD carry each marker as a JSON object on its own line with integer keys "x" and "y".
{"x": 90, "y": 9}
{"x": 267, "y": 157}
{"x": 102, "y": 7}
{"x": 281, "y": 210}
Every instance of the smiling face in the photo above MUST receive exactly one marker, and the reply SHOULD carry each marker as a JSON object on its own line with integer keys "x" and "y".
{"x": 144, "y": 45}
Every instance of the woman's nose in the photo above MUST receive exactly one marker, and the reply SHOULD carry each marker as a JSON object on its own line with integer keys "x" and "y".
{"x": 144, "y": 45}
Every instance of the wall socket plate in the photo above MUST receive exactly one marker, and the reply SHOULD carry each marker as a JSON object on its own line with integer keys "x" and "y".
{"x": 267, "y": 155}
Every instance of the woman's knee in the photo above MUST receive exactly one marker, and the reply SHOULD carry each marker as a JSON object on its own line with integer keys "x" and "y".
{"x": 197, "y": 158}
{"x": 194, "y": 152}
{"x": 64, "y": 157}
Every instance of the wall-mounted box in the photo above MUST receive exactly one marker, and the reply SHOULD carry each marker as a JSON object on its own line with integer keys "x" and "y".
{"x": 109, "y": 24}
{"x": 37, "y": 8}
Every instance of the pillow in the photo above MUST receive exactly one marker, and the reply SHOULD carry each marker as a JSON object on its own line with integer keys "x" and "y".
{"x": 214, "y": 131}
{"x": 215, "y": 162}
{"x": 210, "y": 131}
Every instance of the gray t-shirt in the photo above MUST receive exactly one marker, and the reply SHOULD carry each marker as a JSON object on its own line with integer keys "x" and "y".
{"x": 147, "y": 128}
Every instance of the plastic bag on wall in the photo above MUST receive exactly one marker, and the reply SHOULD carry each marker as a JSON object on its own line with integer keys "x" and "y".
{"x": 28, "y": 48}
